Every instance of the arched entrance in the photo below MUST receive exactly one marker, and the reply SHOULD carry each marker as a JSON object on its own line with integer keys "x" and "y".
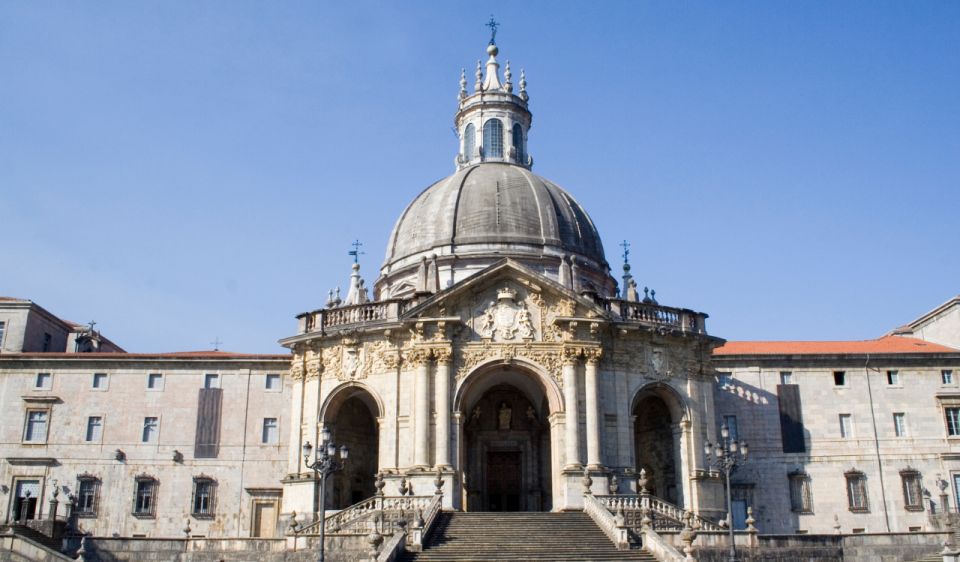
{"x": 657, "y": 443}
{"x": 506, "y": 454}
{"x": 351, "y": 414}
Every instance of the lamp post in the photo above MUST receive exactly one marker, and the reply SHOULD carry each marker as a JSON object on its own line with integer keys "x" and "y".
{"x": 726, "y": 456}
{"x": 324, "y": 464}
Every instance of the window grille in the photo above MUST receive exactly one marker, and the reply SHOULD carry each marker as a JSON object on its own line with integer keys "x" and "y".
{"x": 857, "y": 492}
{"x": 144, "y": 499}
{"x": 204, "y": 495}
{"x": 912, "y": 490}
{"x": 800, "y": 496}
{"x": 88, "y": 492}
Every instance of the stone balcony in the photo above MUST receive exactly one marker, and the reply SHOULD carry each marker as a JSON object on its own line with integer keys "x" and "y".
{"x": 656, "y": 316}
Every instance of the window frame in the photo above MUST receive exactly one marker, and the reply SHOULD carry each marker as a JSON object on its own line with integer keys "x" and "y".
{"x": 495, "y": 140}
{"x": 849, "y": 432}
{"x": 37, "y": 385}
{"x": 211, "y": 497}
{"x": 263, "y": 431}
{"x": 947, "y": 409}
{"x": 912, "y": 476}
{"x": 156, "y": 430}
{"x": 95, "y": 483}
{"x": 786, "y": 377}
{"x": 86, "y": 430}
{"x": 27, "y": 428}
{"x": 840, "y": 379}
{"x": 900, "y": 424}
{"x": 156, "y": 377}
{"x": 859, "y": 479}
{"x": 100, "y": 387}
{"x": 273, "y": 376}
{"x": 211, "y": 380}
{"x": 151, "y": 509}
{"x": 733, "y": 430}
{"x": 893, "y": 378}
{"x": 801, "y": 501}
{"x": 469, "y": 142}
{"x": 944, "y": 375}
{"x": 725, "y": 379}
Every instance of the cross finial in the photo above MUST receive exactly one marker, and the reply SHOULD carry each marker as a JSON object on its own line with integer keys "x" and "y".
{"x": 216, "y": 343}
{"x": 92, "y": 324}
{"x": 493, "y": 25}
{"x": 626, "y": 251}
{"x": 355, "y": 252}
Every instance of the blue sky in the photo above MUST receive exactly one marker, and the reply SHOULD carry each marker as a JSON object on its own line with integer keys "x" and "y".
{"x": 180, "y": 171}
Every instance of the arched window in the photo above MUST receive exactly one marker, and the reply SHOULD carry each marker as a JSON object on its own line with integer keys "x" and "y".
{"x": 493, "y": 139}
{"x": 518, "y": 144}
{"x": 469, "y": 142}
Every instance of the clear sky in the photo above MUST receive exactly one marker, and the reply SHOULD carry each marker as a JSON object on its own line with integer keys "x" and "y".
{"x": 180, "y": 171}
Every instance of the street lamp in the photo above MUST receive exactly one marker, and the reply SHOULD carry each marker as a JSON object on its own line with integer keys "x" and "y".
{"x": 727, "y": 456}
{"x": 324, "y": 464}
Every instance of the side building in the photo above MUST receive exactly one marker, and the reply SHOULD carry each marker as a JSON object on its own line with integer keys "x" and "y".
{"x": 854, "y": 436}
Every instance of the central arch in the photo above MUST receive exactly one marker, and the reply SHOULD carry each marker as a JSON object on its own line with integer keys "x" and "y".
{"x": 506, "y": 457}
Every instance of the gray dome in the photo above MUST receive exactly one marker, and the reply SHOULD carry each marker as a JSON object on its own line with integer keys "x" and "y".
{"x": 494, "y": 210}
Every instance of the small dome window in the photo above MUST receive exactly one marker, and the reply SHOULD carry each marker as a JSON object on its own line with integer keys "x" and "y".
{"x": 493, "y": 138}
{"x": 469, "y": 142}
{"x": 518, "y": 144}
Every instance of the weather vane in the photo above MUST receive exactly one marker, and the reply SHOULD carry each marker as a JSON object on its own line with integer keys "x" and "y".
{"x": 216, "y": 343}
{"x": 626, "y": 251}
{"x": 355, "y": 252}
{"x": 493, "y": 25}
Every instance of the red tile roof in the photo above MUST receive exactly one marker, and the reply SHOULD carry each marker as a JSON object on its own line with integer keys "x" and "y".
{"x": 884, "y": 345}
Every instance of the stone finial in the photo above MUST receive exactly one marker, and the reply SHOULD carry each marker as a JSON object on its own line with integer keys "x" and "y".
{"x": 507, "y": 76}
{"x": 379, "y": 483}
{"x": 293, "y": 522}
{"x": 646, "y": 295}
{"x": 750, "y": 521}
{"x": 632, "y": 295}
{"x": 82, "y": 552}
{"x": 642, "y": 482}
{"x": 687, "y": 536}
{"x": 836, "y": 524}
{"x": 614, "y": 484}
{"x": 374, "y": 539}
{"x": 463, "y": 85}
{"x": 187, "y": 529}
{"x": 438, "y": 483}
{"x": 357, "y": 293}
{"x": 336, "y": 297}
{"x": 478, "y": 86}
{"x": 403, "y": 486}
{"x": 330, "y": 299}
{"x": 523, "y": 85}
{"x": 586, "y": 481}
{"x": 653, "y": 296}
{"x": 619, "y": 518}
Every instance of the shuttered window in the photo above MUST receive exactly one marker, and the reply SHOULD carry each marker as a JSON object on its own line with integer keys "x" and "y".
{"x": 207, "y": 440}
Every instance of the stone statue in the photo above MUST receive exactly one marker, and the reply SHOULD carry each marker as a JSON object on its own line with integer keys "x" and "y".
{"x": 504, "y": 414}
{"x": 476, "y": 414}
{"x": 524, "y": 325}
{"x": 489, "y": 321}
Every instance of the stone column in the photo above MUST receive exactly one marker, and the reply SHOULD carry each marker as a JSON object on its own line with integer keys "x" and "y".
{"x": 592, "y": 399}
{"x": 442, "y": 434}
{"x": 421, "y": 405}
{"x": 572, "y": 414}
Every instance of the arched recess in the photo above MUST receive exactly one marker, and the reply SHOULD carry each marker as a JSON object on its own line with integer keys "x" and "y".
{"x": 659, "y": 414}
{"x": 506, "y": 436}
{"x": 351, "y": 412}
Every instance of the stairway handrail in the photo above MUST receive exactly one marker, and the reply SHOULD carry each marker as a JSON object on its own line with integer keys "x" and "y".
{"x": 615, "y": 531}
{"x": 354, "y": 516}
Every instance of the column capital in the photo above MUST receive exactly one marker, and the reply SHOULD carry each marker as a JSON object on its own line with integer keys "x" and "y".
{"x": 593, "y": 355}
{"x": 443, "y": 355}
{"x": 571, "y": 355}
{"x": 417, "y": 356}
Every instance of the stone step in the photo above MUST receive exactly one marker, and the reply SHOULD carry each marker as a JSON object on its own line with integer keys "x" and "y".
{"x": 496, "y": 537}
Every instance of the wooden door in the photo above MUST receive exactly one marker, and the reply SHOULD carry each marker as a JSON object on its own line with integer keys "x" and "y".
{"x": 264, "y": 520}
{"x": 504, "y": 480}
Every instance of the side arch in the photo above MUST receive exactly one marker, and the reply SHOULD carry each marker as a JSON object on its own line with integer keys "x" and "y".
{"x": 352, "y": 411}
{"x": 343, "y": 392}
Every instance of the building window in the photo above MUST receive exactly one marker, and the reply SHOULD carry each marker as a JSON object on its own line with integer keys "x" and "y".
{"x": 151, "y": 427}
{"x": 204, "y": 494}
{"x": 912, "y": 490}
{"x": 469, "y": 142}
{"x": 493, "y": 139}
{"x": 731, "y": 423}
{"x": 800, "y": 498}
{"x": 272, "y": 382}
{"x": 518, "y": 144}
{"x": 43, "y": 381}
{"x": 900, "y": 424}
{"x": 94, "y": 429}
{"x": 211, "y": 381}
{"x": 839, "y": 378}
{"x": 88, "y": 492}
{"x": 145, "y": 496}
{"x": 953, "y": 421}
{"x": 786, "y": 377}
{"x": 26, "y": 495}
{"x": 271, "y": 431}
{"x": 725, "y": 380}
{"x": 99, "y": 381}
{"x": 35, "y": 430}
{"x": 946, "y": 376}
{"x": 47, "y": 341}
{"x": 155, "y": 381}
{"x": 857, "y": 491}
{"x": 846, "y": 426}
{"x": 3, "y": 326}
{"x": 893, "y": 378}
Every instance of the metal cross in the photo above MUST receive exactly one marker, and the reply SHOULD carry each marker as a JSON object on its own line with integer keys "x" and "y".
{"x": 216, "y": 343}
{"x": 493, "y": 25}
{"x": 355, "y": 252}
{"x": 626, "y": 251}
{"x": 92, "y": 324}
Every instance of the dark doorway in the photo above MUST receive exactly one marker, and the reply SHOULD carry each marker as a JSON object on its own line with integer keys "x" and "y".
{"x": 656, "y": 446}
{"x": 504, "y": 475}
{"x": 25, "y": 500}
{"x": 354, "y": 424}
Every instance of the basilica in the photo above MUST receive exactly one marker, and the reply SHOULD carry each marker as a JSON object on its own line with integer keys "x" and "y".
{"x": 497, "y": 363}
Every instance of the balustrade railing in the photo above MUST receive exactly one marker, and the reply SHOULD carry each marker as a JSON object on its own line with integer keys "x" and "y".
{"x": 615, "y": 530}
{"x": 657, "y": 315}
{"x": 359, "y": 517}
{"x": 663, "y": 515}
{"x": 357, "y": 314}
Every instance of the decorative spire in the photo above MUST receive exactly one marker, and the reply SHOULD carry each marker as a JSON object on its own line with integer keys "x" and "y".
{"x": 478, "y": 86}
{"x": 507, "y": 75}
{"x": 523, "y": 85}
{"x": 627, "y": 277}
{"x": 463, "y": 85}
{"x": 357, "y": 293}
{"x": 355, "y": 252}
{"x": 492, "y": 81}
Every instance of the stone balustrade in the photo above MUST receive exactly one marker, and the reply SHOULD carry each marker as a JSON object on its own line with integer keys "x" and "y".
{"x": 656, "y": 315}
{"x": 332, "y": 319}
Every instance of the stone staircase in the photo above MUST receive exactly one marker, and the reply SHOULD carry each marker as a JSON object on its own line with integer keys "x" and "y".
{"x": 33, "y": 535}
{"x": 462, "y": 537}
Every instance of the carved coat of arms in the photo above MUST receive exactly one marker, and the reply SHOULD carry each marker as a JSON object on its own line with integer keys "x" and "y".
{"x": 505, "y": 319}
{"x": 352, "y": 362}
